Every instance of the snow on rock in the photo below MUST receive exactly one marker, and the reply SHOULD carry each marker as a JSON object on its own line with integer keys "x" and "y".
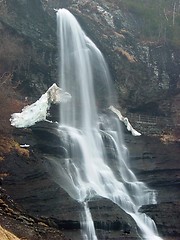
{"x": 38, "y": 111}
{"x": 24, "y": 145}
{"x": 125, "y": 121}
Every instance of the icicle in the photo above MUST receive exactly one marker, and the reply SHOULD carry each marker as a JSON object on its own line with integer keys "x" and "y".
{"x": 125, "y": 121}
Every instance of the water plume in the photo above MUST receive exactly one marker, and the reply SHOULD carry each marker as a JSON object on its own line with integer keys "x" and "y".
{"x": 82, "y": 70}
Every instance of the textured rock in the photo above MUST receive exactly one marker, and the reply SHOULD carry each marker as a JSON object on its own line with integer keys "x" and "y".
{"x": 29, "y": 50}
{"x": 146, "y": 76}
{"x": 43, "y": 198}
{"x": 157, "y": 164}
{"x": 38, "y": 193}
{"x": 145, "y": 73}
{"x": 154, "y": 68}
{"x": 15, "y": 220}
{"x": 166, "y": 215}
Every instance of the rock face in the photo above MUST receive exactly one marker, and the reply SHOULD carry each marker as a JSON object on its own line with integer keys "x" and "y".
{"x": 157, "y": 164}
{"x": 39, "y": 194}
{"x": 29, "y": 46}
{"x": 15, "y": 219}
{"x": 146, "y": 77}
{"x": 145, "y": 73}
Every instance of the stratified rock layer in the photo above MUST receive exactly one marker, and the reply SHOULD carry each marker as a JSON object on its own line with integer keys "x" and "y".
{"x": 37, "y": 192}
{"x": 146, "y": 76}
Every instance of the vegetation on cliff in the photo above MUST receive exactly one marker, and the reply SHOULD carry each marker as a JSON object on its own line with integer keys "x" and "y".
{"x": 159, "y": 20}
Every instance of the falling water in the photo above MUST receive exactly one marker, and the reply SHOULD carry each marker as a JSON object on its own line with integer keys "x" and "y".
{"x": 87, "y": 171}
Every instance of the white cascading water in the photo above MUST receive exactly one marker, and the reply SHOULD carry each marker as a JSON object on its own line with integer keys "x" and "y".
{"x": 87, "y": 171}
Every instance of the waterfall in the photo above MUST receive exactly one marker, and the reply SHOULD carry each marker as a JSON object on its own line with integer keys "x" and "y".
{"x": 87, "y": 171}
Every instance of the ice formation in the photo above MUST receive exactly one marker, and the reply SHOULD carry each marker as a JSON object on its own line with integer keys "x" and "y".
{"x": 38, "y": 111}
{"x": 125, "y": 121}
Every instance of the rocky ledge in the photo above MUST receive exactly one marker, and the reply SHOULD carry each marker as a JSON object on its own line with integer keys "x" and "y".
{"x": 42, "y": 198}
{"x": 15, "y": 219}
{"x": 30, "y": 184}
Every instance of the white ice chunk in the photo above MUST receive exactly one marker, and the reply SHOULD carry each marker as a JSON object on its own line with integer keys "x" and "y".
{"x": 37, "y": 111}
{"x": 125, "y": 121}
{"x": 24, "y": 145}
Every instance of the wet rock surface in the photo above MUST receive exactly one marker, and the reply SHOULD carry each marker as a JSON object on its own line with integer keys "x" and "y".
{"x": 146, "y": 76}
{"x": 32, "y": 185}
{"x": 166, "y": 215}
{"x": 14, "y": 218}
{"x": 157, "y": 164}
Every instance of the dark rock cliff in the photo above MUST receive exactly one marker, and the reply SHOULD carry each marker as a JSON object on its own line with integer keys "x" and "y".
{"x": 28, "y": 46}
{"x": 146, "y": 76}
{"x": 32, "y": 184}
{"x": 145, "y": 73}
